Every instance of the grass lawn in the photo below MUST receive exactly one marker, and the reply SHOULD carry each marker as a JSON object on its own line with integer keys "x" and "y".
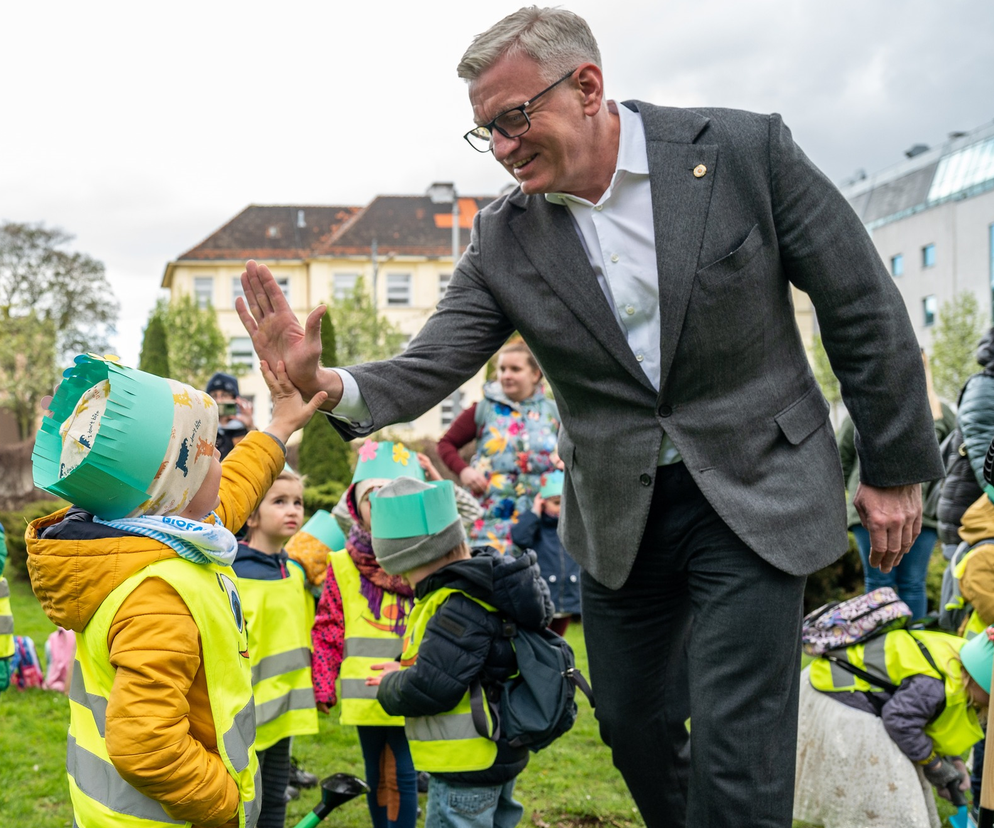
{"x": 571, "y": 784}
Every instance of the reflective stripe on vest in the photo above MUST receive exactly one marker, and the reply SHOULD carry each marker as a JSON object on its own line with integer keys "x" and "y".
{"x": 895, "y": 657}
{"x": 100, "y": 797}
{"x": 6, "y": 621}
{"x": 280, "y": 655}
{"x": 368, "y": 640}
{"x": 448, "y": 742}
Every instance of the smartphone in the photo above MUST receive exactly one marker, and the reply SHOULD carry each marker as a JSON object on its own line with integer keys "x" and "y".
{"x": 227, "y": 409}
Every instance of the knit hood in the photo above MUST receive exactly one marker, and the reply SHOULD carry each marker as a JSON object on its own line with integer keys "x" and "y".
{"x": 78, "y": 563}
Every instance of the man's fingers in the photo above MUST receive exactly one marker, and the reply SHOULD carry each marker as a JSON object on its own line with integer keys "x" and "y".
{"x": 255, "y": 281}
{"x": 249, "y": 294}
{"x": 312, "y": 327}
{"x": 248, "y": 321}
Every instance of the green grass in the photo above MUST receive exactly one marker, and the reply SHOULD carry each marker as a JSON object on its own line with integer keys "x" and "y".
{"x": 571, "y": 784}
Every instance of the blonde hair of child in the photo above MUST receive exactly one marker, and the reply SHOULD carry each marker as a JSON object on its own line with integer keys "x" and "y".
{"x": 286, "y": 474}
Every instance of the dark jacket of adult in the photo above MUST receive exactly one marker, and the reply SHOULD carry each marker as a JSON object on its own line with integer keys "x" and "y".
{"x": 559, "y": 570}
{"x": 975, "y": 418}
{"x": 464, "y": 642}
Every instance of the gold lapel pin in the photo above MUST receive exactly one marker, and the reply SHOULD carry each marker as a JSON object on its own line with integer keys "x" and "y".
{"x": 700, "y": 171}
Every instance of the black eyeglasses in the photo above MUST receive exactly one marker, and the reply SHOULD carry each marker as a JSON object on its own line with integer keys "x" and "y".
{"x": 511, "y": 124}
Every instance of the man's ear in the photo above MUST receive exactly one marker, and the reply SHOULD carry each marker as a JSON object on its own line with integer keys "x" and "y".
{"x": 590, "y": 79}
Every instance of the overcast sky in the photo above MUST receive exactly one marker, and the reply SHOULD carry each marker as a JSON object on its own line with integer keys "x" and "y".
{"x": 141, "y": 128}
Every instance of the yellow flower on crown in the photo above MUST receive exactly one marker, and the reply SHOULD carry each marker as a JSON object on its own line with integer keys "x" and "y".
{"x": 400, "y": 454}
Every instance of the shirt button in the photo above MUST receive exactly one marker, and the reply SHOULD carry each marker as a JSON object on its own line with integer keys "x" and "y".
{"x": 639, "y": 357}
{"x": 615, "y": 257}
{"x": 599, "y": 207}
{"x": 645, "y": 480}
{"x": 629, "y": 309}
{"x": 665, "y": 410}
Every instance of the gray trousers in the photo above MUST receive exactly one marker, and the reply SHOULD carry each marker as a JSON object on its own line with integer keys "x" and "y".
{"x": 703, "y": 629}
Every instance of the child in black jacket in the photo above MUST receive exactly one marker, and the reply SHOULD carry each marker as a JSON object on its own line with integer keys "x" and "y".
{"x": 455, "y": 649}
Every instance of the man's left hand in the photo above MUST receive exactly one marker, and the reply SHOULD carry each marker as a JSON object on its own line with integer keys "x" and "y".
{"x": 893, "y": 517}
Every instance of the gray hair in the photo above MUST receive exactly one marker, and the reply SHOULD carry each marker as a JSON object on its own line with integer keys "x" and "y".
{"x": 557, "y": 39}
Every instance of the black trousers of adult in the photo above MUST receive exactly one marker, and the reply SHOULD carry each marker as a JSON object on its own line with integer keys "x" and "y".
{"x": 702, "y": 629}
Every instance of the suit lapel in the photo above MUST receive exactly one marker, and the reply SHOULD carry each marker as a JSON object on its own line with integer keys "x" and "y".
{"x": 546, "y": 234}
{"x": 680, "y": 202}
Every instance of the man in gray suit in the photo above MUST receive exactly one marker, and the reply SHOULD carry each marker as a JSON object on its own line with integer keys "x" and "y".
{"x": 647, "y": 257}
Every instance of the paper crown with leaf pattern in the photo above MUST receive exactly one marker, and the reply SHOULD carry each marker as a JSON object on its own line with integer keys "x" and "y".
{"x": 119, "y": 437}
{"x": 386, "y": 460}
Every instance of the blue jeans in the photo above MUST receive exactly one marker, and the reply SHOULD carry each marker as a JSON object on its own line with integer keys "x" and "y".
{"x": 390, "y": 774}
{"x": 908, "y": 577}
{"x": 463, "y": 806}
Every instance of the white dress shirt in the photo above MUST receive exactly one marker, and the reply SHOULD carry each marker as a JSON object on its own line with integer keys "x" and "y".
{"x": 617, "y": 235}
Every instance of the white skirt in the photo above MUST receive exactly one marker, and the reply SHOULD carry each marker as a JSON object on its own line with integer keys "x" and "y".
{"x": 850, "y": 774}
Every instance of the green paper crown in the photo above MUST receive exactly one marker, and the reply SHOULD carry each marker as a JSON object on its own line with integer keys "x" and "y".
{"x": 977, "y": 656}
{"x": 553, "y": 485}
{"x": 414, "y": 515}
{"x": 113, "y": 479}
{"x": 387, "y": 461}
{"x": 325, "y": 528}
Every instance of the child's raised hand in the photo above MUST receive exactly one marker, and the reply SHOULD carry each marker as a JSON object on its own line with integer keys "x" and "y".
{"x": 385, "y": 667}
{"x": 429, "y": 468}
{"x": 537, "y": 504}
{"x": 290, "y": 412}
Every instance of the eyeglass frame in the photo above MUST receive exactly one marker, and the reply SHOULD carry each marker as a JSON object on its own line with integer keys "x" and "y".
{"x": 490, "y": 127}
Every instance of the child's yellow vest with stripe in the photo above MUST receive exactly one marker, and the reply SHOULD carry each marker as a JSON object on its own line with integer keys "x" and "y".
{"x": 896, "y": 656}
{"x": 279, "y": 622}
{"x": 100, "y": 797}
{"x": 448, "y": 742}
{"x": 6, "y": 621}
{"x": 368, "y": 640}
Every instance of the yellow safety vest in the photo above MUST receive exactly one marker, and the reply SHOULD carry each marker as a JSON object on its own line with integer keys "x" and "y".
{"x": 368, "y": 640}
{"x": 895, "y": 656}
{"x": 277, "y": 614}
{"x": 6, "y": 621}
{"x": 100, "y": 797}
{"x": 448, "y": 742}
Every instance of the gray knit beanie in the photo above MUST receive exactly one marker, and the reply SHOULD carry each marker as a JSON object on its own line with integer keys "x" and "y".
{"x": 414, "y": 523}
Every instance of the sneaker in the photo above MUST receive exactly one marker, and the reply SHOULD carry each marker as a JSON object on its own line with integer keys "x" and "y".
{"x": 291, "y": 793}
{"x": 300, "y": 778}
{"x": 423, "y": 777}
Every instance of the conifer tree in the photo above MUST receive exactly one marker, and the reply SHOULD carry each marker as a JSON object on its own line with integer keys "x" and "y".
{"x": 154, "y": 357}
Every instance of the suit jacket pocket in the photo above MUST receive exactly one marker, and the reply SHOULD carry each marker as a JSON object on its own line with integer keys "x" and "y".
{"x": 803, "y": 416}
{"x": 732, "y": 263}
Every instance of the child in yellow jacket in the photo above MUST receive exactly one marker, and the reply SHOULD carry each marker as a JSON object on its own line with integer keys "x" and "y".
{"x": 161, "y": 727}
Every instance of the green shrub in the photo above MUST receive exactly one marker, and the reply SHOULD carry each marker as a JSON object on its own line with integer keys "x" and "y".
{"x": 14, "y": 524}
{"x": 325, "y": 496}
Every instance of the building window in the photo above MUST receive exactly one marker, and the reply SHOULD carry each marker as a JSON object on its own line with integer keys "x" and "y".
{"x": 284, "y": 283}
{"x": 236, "y": 289}
{"x": 398, "y": 289}
{"x": 897, "y": 265}
{"x": 443, "y": 285}
{"x": 928, "y": 255}
{"x": 240, "y": 351}
{"x": 929, "y": 309}
{"x": 451, "y": 408}
{"x": 203, "y": 290}
{"x": 343, "y": 285}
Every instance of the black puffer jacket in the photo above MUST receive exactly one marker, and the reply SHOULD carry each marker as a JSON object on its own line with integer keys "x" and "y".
{"x": 464, "y": 642}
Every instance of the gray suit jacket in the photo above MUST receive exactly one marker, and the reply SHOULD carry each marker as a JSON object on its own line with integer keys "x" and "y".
{"x": 736, "y": 395}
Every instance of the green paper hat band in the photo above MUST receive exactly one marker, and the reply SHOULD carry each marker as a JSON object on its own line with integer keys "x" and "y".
{"x": 325, "y": 529}
{"x": 134, "y": 449}
{"x": 414, "y": 515}
{"x": 386, "y": 460}
{"x": 553, "y": 484}
{"x": 977, "y": 656}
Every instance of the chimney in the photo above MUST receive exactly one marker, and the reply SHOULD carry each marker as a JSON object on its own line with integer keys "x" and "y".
{"x": 917, "y": 149}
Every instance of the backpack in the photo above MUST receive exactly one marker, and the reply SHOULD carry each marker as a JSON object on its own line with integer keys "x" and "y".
{"x": 536, "y": 706}
{"x": 60, "y": 651}
{"x": 953, "y": 607}
{"x": 25, "y": 668}
{"x": 841, "y": 624}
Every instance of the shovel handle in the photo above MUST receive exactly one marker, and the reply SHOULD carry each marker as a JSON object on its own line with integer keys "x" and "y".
{"x": 955, "y": 794}
{"x": 986, "y": 819}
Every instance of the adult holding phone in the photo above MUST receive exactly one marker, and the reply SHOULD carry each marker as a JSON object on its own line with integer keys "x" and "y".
{"x": 234, "y": 412}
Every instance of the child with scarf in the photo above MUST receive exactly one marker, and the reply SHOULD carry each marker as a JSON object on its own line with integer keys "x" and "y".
{"x": 161, "y": 726}
{"x": 361, "y": 620}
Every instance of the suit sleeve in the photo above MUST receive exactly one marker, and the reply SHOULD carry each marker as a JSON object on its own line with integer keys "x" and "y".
{"x": 460, "y": 336}
{"x": 826, "y": 252}
{"x": 148, "y": 713}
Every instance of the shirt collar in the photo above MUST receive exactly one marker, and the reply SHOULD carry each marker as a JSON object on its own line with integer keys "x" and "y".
{"x": 633, "y": 157}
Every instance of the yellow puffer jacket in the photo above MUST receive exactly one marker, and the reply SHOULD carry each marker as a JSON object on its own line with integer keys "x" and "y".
{"x": 977, "y": 583}
{"x": 160, "y": 733}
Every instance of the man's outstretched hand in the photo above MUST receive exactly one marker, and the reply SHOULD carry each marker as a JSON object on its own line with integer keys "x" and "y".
{"x": 278, "y": 336}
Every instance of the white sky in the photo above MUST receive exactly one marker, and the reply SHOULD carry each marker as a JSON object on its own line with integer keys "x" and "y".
{"x": 141, "y": 128}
